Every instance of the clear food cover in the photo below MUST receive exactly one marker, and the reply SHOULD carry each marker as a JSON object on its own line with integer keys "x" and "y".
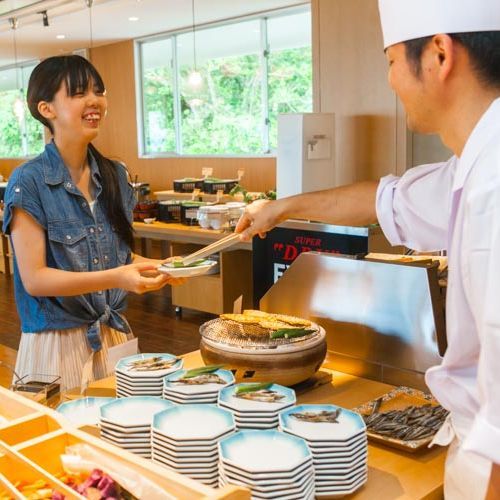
{"x": 213, "y": 216}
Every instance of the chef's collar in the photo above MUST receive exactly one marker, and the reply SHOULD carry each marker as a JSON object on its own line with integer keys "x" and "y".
{"x": 485, "y": 130}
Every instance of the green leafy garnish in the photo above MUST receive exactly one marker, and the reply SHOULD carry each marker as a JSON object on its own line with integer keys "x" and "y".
{"x": 194, "y": 372}
{"x": 179, "y": 263}
{"x": 290, "y": 333}
{"x": 245, "y": 388}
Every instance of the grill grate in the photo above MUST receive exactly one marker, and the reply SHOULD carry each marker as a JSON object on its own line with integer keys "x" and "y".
{"x": 249, "y": 335}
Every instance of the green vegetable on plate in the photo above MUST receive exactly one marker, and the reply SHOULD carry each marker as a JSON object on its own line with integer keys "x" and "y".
{"x": 179, "y": 263}
{"x": 242, "y": 389}
{"x": 290, "y": 333}
{"x": 194, "y": 372}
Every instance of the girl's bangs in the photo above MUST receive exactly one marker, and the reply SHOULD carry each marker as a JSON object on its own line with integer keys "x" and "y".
{"x": 80, "y": 74}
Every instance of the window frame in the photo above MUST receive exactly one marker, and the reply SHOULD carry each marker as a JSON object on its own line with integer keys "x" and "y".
{"x": 19, "y": 68}
{"x": 267, "y": 151}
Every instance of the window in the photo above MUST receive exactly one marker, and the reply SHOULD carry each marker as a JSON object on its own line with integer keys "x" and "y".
{"x": 21, "y": 134}
{"x": 251, "y": 71}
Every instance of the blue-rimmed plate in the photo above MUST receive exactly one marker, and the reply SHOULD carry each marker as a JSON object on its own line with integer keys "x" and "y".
{"x": 133, "y": 412}
{"x": 348, "y": 426}
{"x": 264, "y": 451}
{"x": 276, "y": 490}
{"x": 83, "y": 411}
{"x": 188, "y": 390}
{"x": 125, "y": 366}
{"x": 187, "y": 447}
{"x": 228, "y": 399}
{"x": 267, "y": 477}
{"x": 295, "y": 480}
{"x": 193, "y": 422}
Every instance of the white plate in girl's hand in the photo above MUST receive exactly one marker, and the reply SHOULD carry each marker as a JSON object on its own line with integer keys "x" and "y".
{"x": 188, "y": 271}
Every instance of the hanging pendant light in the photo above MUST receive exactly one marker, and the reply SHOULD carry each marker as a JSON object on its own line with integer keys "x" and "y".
{"x": 91, "y": 34}
{"x": 195, "y": 80}
{"x": 18, "y": 105}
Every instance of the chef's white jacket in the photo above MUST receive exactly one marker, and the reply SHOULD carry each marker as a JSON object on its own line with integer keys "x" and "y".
{"x": 456, "y": 206}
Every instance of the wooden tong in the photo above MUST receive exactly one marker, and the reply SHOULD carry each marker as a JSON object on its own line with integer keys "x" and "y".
{"x": 217, "y": 246}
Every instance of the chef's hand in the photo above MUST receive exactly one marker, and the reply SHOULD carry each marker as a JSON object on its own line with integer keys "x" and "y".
{"x": 144, "y": 277}
{"x": 258, "y": 218}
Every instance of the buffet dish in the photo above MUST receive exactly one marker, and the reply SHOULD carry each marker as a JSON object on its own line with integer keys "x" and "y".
{"x": 404, "y": 418}
{"x": 261, "y": 347}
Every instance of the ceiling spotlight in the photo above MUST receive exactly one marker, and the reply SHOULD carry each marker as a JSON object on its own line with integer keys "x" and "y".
{"x": 60, "y": 37}
{"x": 133, "y": 18}
{"x": 45, "y": 17}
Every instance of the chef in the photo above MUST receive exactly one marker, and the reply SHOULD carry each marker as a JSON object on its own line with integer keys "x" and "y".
{"x": 444, "y": 64}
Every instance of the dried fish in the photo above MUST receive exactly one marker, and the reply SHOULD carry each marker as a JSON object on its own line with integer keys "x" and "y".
{"x": 263, "y": 395}
{"x": 322, "y": 416}
{"x": 412, "y": 423}
{"x": 207, "y": 378}
{"x": 152, "y": 364}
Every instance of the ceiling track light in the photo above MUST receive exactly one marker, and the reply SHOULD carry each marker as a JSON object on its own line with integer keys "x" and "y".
{"x": 45, "y": 17}
{"x": 195, "y": 80}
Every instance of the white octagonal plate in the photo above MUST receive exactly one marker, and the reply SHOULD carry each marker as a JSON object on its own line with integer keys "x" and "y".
{"x": 188, "y": 271}
{"x": 193, "y": 422}
{"x": 124, "y": 366}
{"x": 134, "y": 411}
{"x": 199, "y": 389}
{"x": 267, "y": 478}
{"x": 83, "y": 411}
{"x": 250, "y": 451}
{"x": 228, "y": 398}
{"x": 348, "y": 424}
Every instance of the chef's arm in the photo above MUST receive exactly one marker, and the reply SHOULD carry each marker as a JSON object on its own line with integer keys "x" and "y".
{"x": 351, "y": 205}
{"x": 494, "y": 486}
{"x": 29, "y": 242}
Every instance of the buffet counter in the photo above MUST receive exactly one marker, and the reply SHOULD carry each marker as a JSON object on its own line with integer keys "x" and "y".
{"x": 392, "y": 474}
{"x": 182, "y": 234}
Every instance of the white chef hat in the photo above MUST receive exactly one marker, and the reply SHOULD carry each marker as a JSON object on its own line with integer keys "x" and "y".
{"x": 409, "y": 19}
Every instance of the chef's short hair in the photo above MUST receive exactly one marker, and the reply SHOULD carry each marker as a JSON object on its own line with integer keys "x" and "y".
{"x": 483, "y": 48}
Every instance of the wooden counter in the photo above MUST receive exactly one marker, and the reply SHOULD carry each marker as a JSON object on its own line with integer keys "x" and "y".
{"x": 7, "y": 363}
{"x": 392, "y": 474}
{"x": 182, "y": 234}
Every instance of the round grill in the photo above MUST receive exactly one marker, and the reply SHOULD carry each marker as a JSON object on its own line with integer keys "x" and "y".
{"x": 246, "y": 335}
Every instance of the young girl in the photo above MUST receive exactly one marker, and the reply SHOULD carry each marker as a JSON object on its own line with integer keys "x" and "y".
{"x": 69, "y": 215}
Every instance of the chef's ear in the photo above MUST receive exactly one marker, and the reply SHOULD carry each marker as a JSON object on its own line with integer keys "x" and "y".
{"x": 46, "y": 110}
{"x": 443, "y": 51}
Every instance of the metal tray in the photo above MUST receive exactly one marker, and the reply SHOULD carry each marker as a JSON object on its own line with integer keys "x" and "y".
{"x": 398, "y": 399}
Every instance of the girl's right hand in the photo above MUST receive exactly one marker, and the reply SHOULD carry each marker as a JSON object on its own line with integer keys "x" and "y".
{"x": 139, "y": 278}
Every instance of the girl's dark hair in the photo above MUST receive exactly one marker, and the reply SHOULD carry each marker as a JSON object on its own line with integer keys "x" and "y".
{"x": 78, "y": 74}
{"x": 483, "y": 48}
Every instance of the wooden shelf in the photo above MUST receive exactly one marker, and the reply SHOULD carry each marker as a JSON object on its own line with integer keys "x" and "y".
{"x": 35, "y": 437}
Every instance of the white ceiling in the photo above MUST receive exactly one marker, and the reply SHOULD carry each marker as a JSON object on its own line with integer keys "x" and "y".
{"x": 110, "y": 22}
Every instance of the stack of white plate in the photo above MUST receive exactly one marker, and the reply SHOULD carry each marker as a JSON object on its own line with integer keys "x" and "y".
{"x": 251, "y": 414}
{"x": 339, "y": 448}
{"x": 200, "y": 393}
{"x": 185, "y": 439}
{"x": 271, "y": 463}
{"x": 84, "y": 411}
{"x": 127, "y": 422}
{"x": 131, "y": 382}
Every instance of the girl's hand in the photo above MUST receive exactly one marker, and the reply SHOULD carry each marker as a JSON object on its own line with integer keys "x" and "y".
{"x": 144, "y": 277}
